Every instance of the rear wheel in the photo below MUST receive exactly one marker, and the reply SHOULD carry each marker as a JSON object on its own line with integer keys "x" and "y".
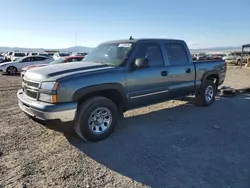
{"x": 238, "y": 62}
{"x": 97, "y": 118}
{"x": 11, "y": 70}
{"x": 206, "y": 96}
{"x": 248, "y": 63}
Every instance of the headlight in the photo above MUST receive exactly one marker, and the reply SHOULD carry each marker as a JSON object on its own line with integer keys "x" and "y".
{"x": 49, "y": 85}
{"x": 48, "y": 98}
{"x": 48, "y": 92}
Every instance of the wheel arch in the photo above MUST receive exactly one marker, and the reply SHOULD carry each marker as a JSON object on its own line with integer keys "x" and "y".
{"x": 211, "y": 75}
{"x": 114, "y": 91}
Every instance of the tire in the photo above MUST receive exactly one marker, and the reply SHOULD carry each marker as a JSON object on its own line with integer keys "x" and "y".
{"x": 202, "y": 98}
{"x": 89, "y": 129}
{"x": 11, "y": 70}
{"x": 238, "y": 62}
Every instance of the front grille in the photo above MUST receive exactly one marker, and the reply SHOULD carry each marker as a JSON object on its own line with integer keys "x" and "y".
{"x": 30, "y": 93}
{"x": 30, "y": 88}
{"x": 30, "y": 83}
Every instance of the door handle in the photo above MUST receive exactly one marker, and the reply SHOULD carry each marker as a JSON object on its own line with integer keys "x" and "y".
{"x": 164, "y": 73}
{"x": 188, "y": 70}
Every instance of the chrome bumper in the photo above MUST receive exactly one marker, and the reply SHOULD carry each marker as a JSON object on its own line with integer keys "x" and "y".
{"x": 64, "y": 112}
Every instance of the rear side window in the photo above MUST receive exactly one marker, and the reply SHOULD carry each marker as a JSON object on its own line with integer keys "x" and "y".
{"x": 40, "y": 58}
{"x": 152, "y": 52}
{"x": 177, "y": 54}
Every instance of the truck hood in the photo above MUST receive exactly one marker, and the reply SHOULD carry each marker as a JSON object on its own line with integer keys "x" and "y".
{"x": 57, "y": 71}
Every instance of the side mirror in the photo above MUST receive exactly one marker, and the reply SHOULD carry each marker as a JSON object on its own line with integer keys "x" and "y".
{"x": 141, "y": 62}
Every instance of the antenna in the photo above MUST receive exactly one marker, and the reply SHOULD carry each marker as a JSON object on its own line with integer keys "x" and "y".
{"x": 76, "y": 38}
{"x": 131, "y": 38}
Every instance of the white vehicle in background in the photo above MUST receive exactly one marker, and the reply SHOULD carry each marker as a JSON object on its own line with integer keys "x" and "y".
{"x": 17, "y": 55}
{"x": 2, "y": 58}
{"x": 17, "y": 65}
{"x": 60, "y": 54}
{"x": 8, "y": 56}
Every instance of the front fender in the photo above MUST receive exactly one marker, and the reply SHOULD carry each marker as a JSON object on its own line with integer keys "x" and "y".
{"x": 80, "y": 93}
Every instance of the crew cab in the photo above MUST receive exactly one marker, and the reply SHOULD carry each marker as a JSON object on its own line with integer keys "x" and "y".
{"x": 117, "y": 76}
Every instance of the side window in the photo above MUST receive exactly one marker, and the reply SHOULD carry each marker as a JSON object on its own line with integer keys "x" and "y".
{"x": 152, "y": 51}
{"x": 26, "y": 59}
{"x": 40, "y": 58}
{"x": 177, "y": 54}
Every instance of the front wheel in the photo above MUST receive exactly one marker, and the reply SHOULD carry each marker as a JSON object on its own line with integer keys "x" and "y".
{"x": 11, "y": 70}
{"x": 207, "y": 93}
{"x": 97, "y": 118}
{"x": 238, "y": 62}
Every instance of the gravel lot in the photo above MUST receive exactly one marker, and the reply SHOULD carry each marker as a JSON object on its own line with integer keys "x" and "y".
{"x": 172, "y": 144}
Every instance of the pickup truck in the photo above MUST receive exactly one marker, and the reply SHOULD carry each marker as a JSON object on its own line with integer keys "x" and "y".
{"x": 235, "y": 58}
{"x": 116, "y": 76}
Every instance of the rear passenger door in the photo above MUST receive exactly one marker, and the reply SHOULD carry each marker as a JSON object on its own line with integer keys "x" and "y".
{"x": 147, "y": 85}
{"x": 181, "y": 70}
{"x": 41, "y": 60}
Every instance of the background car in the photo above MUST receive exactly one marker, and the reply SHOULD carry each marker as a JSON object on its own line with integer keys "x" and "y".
{"x": 58, "y": 61}
{"x": 17, "y": 65}
{"x": 60, "y": 54}
{"x": 8, "y": 56}
{"x": 2, "y": 58}
{"x": 17, "y": 55}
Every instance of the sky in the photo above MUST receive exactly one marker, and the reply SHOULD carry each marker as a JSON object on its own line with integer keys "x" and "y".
{"x": 55, "y": 23}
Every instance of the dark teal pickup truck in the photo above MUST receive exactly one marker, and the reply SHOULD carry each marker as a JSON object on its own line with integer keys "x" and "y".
{"x": 117, "y": 76}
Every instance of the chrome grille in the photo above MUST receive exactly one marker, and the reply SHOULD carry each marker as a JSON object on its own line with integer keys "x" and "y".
{"x": 30, "y": 88}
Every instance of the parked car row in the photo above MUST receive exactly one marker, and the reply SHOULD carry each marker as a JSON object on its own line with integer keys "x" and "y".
{"x": 235, "y": 57}
{"x": 205, "y": 56}
{"x": 58, "y": 61}
{"x": 12, "y": 56}
{"x": 21, "y": 65}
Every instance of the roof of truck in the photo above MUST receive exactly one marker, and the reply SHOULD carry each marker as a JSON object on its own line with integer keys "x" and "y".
{"x": 143, "y": 39}
{"x": 246, "y": 45}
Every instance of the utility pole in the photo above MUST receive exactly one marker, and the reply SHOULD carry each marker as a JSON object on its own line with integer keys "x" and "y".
{"x": 76, "y": 38}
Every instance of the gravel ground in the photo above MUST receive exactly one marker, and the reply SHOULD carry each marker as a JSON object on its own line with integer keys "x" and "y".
{"x": 171, "y": 144}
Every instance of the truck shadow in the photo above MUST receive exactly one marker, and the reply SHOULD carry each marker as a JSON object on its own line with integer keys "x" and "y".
{"x": 179, "y": 147}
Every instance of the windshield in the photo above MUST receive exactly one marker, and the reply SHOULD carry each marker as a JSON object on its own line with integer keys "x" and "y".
{"x": 46, "y": 55}
{"x": 60, "y": 60}
{"x": 235, "y": 54}
{"x": 63, "y": 54}
{"x": 19, "y": 54}
{"x": 109, "y": 53}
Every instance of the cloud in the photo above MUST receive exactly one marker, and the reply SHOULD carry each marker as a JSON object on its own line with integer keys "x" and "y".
{"x": 193, "y": 43}
{"x": 163, "y": 36}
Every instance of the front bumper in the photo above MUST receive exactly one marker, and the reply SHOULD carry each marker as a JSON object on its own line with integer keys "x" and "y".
{"x": 64, "y": 112}
{"x": 230, "y": 61}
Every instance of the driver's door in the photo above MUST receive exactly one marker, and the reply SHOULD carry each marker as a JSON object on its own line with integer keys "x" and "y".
{"x": 147, "y": 85}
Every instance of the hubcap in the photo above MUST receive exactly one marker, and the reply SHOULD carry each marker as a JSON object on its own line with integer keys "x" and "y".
{"x": 209, "y": 93}
{"x": 12, "y": 70}
{"x": 100, "y": 120}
